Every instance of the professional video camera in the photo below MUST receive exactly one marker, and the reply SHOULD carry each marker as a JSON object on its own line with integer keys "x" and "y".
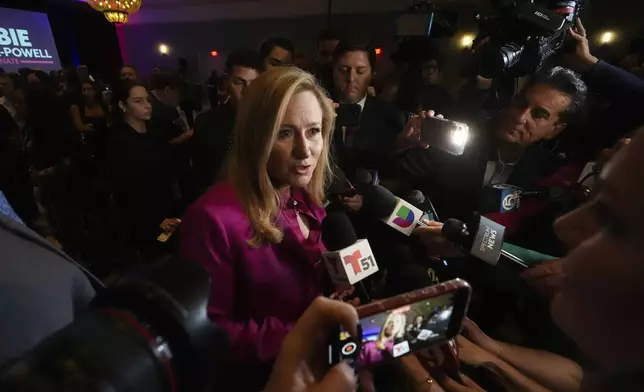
{"x": 144, "y": 334}
{"x": 523, "y": 35}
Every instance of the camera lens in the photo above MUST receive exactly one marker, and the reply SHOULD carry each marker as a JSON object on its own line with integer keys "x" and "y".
{"x": 498, "y": 59}
{"x": 145, "y": 333}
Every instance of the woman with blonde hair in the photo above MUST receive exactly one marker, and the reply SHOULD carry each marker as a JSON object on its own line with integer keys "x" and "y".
{"x": 257, "y": 232}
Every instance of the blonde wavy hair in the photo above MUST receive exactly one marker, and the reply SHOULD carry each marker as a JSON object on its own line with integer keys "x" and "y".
{"x": 259, "y": 118}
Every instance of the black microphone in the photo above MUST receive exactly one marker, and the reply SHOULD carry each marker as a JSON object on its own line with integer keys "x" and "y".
{"x": 422, "y": 202}
{"x": 484, "y": 244}
{"x": 348, "y": 260}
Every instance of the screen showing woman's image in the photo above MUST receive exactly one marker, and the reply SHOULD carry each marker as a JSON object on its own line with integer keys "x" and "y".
{"x": 399, "y": 331}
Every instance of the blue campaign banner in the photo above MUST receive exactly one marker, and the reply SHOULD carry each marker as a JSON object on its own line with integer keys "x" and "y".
{"x": 26, "y": 41}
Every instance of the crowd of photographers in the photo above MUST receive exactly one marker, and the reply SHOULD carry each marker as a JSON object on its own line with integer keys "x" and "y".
{"x": 243, "y": 188}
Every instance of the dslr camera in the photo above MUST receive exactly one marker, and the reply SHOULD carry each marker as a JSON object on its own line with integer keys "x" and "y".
{"x": 523, "y": 35}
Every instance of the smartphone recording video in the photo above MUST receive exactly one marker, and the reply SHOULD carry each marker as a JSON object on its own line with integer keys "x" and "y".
{"x": 403, "y": 324}
{"x": 449, "y": 136}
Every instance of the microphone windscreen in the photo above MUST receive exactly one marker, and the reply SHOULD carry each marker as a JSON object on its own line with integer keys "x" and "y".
{"x": 378, "y": 202}
{"x": 337, "y": 231}
{"x": 362, "y": 177}
{"x": 416, "y": 198}
{"x": 454, "y": 230}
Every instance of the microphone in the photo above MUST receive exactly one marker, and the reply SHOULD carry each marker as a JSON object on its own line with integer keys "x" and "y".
{"x": 419, "y": 200}
{"x": 348, "y": 260}
{"x": 485, "y": 244}
{"x": 501, "y": 198}
{"x": 394, "y": 211}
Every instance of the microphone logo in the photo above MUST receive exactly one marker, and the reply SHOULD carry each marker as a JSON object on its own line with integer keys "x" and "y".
{"x": 510, "y": 202}
{"x": 404, "y": 217}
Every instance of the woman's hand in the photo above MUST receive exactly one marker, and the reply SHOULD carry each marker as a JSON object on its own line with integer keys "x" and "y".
{"x": 546, "y": 278}
{"x": 293, "y": 370}
{"x": 432, "y": 237}
{"x": 411, "y": 135}
{"x": 353, "y": 203}
{"x": 472, "y": 354}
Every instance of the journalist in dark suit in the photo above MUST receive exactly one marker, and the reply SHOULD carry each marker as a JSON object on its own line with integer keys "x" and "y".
{"x": 41, "y": 288}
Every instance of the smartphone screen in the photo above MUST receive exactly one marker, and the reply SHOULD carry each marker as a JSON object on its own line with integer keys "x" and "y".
{"x": 404, "y": 328}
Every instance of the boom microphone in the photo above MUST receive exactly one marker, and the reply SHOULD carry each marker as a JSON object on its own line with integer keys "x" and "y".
{"x": 485, "y": 244}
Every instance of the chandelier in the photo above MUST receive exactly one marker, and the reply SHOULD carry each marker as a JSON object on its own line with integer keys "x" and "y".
{"x": 116, "y": 11}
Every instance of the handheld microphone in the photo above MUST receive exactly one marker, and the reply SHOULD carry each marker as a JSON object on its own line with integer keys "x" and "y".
{"x": 419, "y": 200}
{"x": 348, "y": 260}
{"x": 485, "y": 244}
{"x": 394, "y": 211}
{"x": 501, "y": 198}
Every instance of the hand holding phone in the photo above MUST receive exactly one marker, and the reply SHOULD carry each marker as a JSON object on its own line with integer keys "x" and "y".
{"x": 400, "y": 325}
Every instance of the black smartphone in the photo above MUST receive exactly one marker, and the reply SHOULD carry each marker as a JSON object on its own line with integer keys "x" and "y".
{"x": 449, "y": 136}
{"x": 348, "y": 115}
{"x": 403, "y": 324}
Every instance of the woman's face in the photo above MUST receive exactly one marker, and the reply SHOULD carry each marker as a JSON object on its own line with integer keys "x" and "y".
{"x": 88, "y": 92}
{"x": 298, "y": 146}
{"x": 137, "y": 105}
{"x": 599, "y": 304}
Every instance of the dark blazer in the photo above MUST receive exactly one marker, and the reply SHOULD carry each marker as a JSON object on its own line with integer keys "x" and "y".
{"x": 375, "y": 140}
{"x": 41, "y": 289}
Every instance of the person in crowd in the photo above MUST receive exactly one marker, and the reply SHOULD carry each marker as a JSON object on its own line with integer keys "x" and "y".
{"x": 128, "y": 72}
{"x": 277, "y": 52}
{"x": 140, "y": 171}
{"x": 170, "y": 125}
{"x": 167, "y": 123}
{"x": 83, "y": 72}
{"x": 42, "y": 288}
{"x": 14, "y": 170}
{"x": 623, "y": 91}
{"x": 328, "y": 40}
{"x": 9, "y": 96}
{"x": 388, "y": 88}
{"x": 258, "y": 232}
{"x": 604, "y": 257}
{"x": 432, "y": 95}
{"x": 214, "y": 129}
{"x": 380, "y": 131}
{"x": 518, "y": 147}
{"x": 89, "y": 116}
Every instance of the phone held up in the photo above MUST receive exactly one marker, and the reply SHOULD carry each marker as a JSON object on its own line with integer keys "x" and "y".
{"x": 446, "y": 135}
{"x": 404, "y": 324}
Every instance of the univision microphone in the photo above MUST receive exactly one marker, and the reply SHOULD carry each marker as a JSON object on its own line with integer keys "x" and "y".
{"x": 348, "y": 259}
{"x": 485, "y": 244}
{"x": 394, "y": 211}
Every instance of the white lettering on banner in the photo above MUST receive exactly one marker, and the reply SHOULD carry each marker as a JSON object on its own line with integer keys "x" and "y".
{"x": 489, "y": 239}
{"x": 17, "y": 45}
{"x": 14, "y": 37}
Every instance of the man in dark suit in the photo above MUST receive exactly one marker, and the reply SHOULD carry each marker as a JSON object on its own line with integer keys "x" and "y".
{"x": 41, "y": 288}
{"x": 377, "y": 135}
{"x": 214, "y": 128}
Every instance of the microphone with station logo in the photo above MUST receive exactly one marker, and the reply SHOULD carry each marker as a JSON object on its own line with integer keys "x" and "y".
{"x": 348, "y": 259}
{"x": 395, "y": 212}
{"x": 486, "y": 243}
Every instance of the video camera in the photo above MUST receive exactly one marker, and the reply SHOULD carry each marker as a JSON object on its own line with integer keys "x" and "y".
{"x": 523, "y": 35}
{"x": 149, "y": 333}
